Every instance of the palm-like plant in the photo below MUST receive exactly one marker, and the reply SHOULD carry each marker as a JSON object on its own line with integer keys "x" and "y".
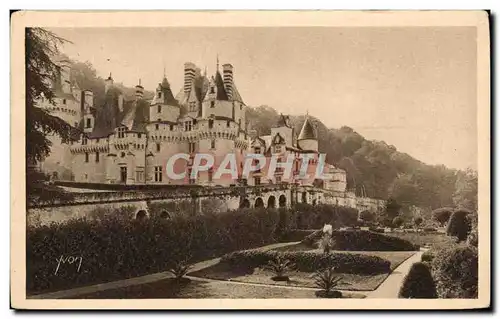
{"x": 280, "y": 266}
{"x": 179, "y": 268}
{"x": 327, "y": 279}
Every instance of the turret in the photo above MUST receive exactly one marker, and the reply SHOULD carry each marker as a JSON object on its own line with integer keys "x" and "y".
{"x": 108, "y": 83}
{"x": 64, "y": 69}
{"x": 308, "y": 140}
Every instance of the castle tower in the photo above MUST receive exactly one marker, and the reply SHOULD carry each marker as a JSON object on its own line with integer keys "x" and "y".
{"x": 64, "y": 69}
{"x": 284, "y": 129}
{"x": 307, "y": 139}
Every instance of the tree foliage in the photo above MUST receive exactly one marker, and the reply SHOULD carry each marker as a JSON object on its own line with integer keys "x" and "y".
{"x": 459, "y": 225}
{"x": 466, "y": 190}
{"x": 442, "y": 215}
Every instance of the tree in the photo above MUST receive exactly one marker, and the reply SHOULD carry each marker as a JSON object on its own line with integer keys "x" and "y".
{"x": 466, "y": 190}
{"x": 442, "y": 215}
{"x": 418, "y": 221}
{"x": 41, "y": 71}
{"x": 418, "y": 283}
{"x": 397, "y": 221}
{"x": 459, "y": 225}
{"x": 367, "y": 216}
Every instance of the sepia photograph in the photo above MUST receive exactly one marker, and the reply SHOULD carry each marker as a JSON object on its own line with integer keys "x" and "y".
{"x": 179, "y": 160}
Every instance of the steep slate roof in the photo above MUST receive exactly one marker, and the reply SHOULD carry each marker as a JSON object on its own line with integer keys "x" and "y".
{"x": 307, "y": 132}
{"x": 221, "y": 91}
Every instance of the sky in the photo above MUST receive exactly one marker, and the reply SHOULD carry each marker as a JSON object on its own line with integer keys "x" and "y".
{"x": 412, "y": 87}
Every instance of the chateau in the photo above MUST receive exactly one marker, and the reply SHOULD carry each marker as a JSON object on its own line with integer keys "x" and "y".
{"x": 129, "y": 141}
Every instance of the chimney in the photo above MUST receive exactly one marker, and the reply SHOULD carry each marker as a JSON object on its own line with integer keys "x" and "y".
{"x": 227, "y": 75}
{"x": 139, "y": 91}
{"x": 120, "y": 102}
{"x": 189, "y": 73}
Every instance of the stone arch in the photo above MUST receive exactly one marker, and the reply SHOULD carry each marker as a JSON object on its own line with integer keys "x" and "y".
{"x": 271, "y": 202}
{"x": 141, "y": 215}
{"x": 282, "y": 201}
{"x": 245, "y": 203}
{"x": 165, "y": 215}
{"x": 259, "y": 202}
{"x": 304, "y": 197}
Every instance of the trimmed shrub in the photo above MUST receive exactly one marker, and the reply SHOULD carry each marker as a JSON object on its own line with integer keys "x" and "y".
{"x": 397, "y": 221}
{"x": 442, "y": 215}
{"x": 456, "y": 272}
{"x": 459, "y": 225}
{"x": 114, "y": 248}
{"x": 362, "y": 240}
{"x": 418, "y": 283}
{"x": 310, "y": 261}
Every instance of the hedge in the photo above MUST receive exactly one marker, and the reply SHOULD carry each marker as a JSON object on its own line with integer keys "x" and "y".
{"x": 418, "y": 283}
{"x": 455, "y": 270}
{"x": 362, "y": 240}
{"x": 113, "y": 248}
{"x": 310, "y": 261}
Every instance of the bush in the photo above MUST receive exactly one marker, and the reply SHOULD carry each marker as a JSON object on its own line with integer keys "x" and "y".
{"x": 442, "y": 215}
{"x": 459, "y": 225}
{"x": 418, "y": 283}
{"x": 296, "y": 234}
{"x": 310, "y": 261}
{"x": 428, "y": 256}
{"x": 362, "y": 240}
{"x": 397, "y": 221}
{"x": 472, "y": 239}
{"x": 456, "y": 272}
{"x": 113, "y": 248}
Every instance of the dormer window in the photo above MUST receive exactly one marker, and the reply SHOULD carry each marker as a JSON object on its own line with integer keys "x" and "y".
{"x": 212, "y": 89}
{"x": 188, "y": 126}
{"x": 121, "y": 132}
{"x": 89, "y": 123}
{"x": 257, "y": 150}
{"x": 159, "y": 95}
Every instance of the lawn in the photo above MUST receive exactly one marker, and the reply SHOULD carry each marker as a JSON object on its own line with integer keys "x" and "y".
{"x": 423, "y": 239}
{"x": 351, "y": 282}
{"x": 169, "y": 288}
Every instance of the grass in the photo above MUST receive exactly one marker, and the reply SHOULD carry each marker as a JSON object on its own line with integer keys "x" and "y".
{"x": 197, "y": 289}
{"x": 423, "y": 239}
{"x": 258, "y": 275}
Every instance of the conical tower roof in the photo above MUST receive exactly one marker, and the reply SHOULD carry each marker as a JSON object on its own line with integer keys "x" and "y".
{"x": 307, "y": 132}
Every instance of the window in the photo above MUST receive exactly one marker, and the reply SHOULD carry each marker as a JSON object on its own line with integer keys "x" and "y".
{"x": 97, "y": 157}
{"x": 122, "y": 154}
{"x": 123, "y": 174}
{"x": 84, "y": 140}
{"x": 139, "y": 175}
{"x": 192, "y": 106}
{"x": 277, "y": 148}
{"x": 188, "y": 126}
{"x": 88, "y": 123}
{"x": 210, "y": 175}
{"x": 212, "y": 104}
{"x": 64, "y": 101}
{"x": 212, "y": 89}
{"x": 121, "y": 132}
{"x": 158, "y": 147}
{"x": 210, "y": 124}
{"x": 139, "y": 135}
{"x": 239, "y": 123}
{"x": 158, "y": 174}
{"x": 159, "y": 95}
{"x": 97, "y": 141}
{"x": 228, "y": 124}
{"x": 171, "y": 127}
{"x": 159, "y": 108}
{"x": 76, "y": 124}
{"x": 257, "y": 150}
{"x": 278, "y": 179}
{"x": 212, "y": 144}
{"x": 86, "y": 157}
{"x": 157, "y": 126}
{"x": 257, "y": 180}
{"x": 192, "y": 147}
